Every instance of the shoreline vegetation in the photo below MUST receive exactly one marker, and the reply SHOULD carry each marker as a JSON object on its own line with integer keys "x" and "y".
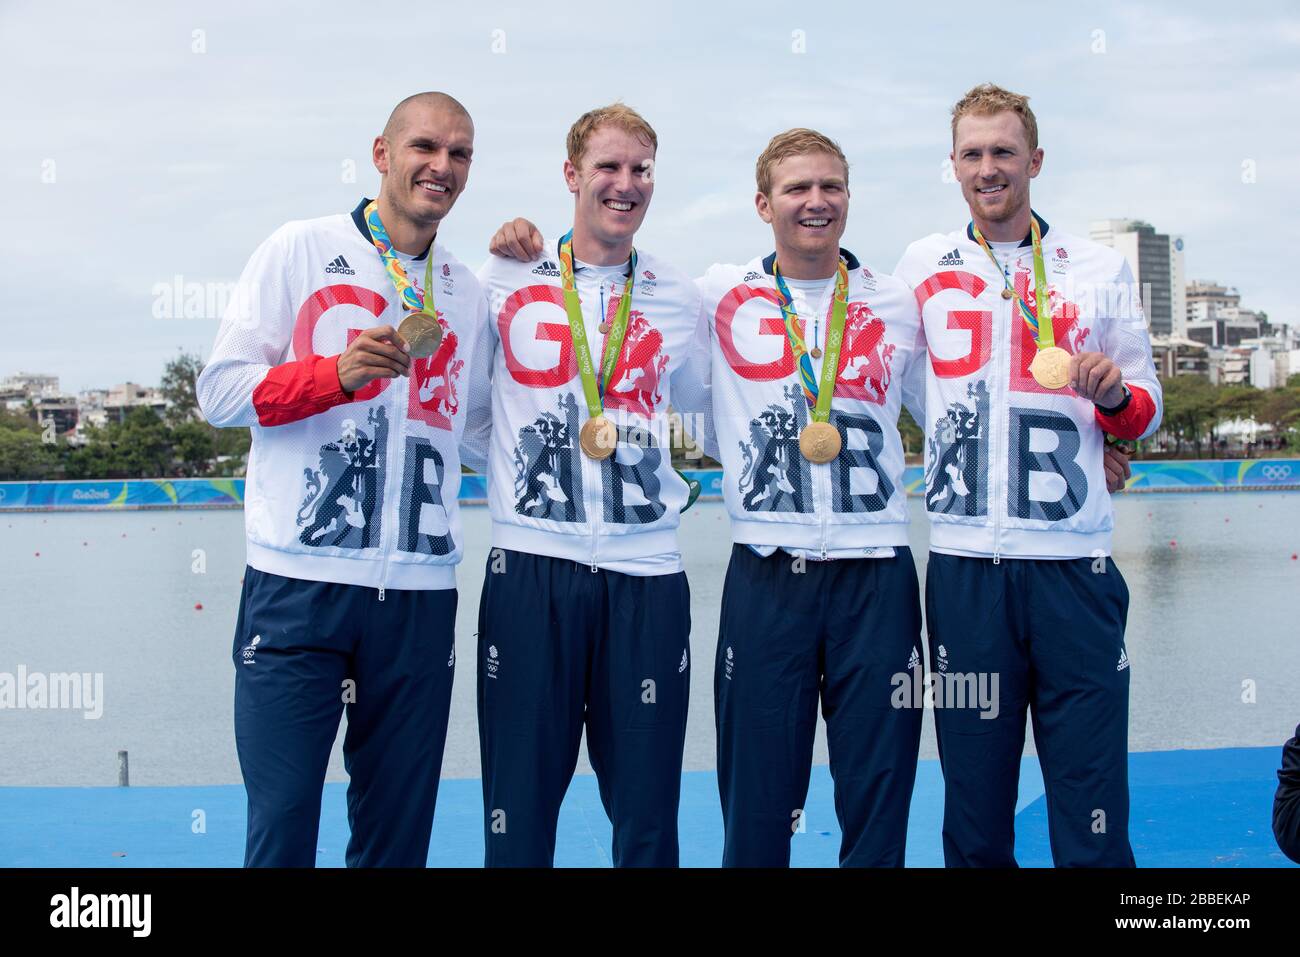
{"x": 1201, "y": 420}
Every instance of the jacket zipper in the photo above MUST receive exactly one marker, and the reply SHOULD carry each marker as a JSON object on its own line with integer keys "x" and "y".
{"x": 1001, "y": 338}
{"x": 823, "y": 487}
{"x": 401, "y": 387}
{"x": 821, "y": 491}
{"x": 391, "y": 516}
{"x": 592, "y": 504}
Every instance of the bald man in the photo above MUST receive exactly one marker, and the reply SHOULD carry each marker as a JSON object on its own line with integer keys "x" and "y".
{"x": 343, "y": 351}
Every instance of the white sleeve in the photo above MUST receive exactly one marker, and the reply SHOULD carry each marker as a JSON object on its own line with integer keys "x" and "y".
{"x": 255, "y": 335}
{"x": 691, "y": 381}
{"x": 914, "y": 373}
{"x": 475, "y": 440}
{"x": 1125, "y": 339}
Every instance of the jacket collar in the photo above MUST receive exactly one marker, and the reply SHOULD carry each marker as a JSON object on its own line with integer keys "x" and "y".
{"x": 850, "y": 260}
{"x": 1029, "y": 237}
{"x": 359, "y": 220}
{"x": 577, "y": 268}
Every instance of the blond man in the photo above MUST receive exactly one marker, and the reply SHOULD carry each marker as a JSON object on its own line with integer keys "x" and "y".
{"x": 1038, "y": 349}
{"x": 585, "y": 613}
{"x": 813, "y": 356}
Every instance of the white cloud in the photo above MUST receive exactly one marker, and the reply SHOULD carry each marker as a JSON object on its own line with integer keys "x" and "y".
{"x": 170, "y": 161}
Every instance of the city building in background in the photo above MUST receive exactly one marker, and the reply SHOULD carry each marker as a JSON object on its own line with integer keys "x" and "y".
{"x": 38, "y": 395}
{"x": 1215, "y": 316}
{"x": 1198, "y": 327}
{"x": 1157, "y": 263}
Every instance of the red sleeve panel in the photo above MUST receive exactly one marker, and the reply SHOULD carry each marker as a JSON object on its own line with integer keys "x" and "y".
{"x": 1129, "y": 424}
{"x": 297, "y": 390}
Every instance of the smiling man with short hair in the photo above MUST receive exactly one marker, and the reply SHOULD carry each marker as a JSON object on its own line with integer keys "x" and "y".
{"x": 585, "y": 613}
{"x": 814, "y": 355}
{"x": 1038, "y": 348}
{"x": 335, "y": 355}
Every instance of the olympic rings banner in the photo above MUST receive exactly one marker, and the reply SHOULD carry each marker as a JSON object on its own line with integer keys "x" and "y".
{"x": 1206, "y": 475}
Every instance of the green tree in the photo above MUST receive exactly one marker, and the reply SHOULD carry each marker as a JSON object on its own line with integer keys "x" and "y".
{"x": 140, "y": 446}
{"x": 234, "y": 443}
{"x": 193, "y": 447}
{"x": 1238, "y": 402}
{"x": 24, "y": 457}
{"x": 24, "y": 453}
{"x": 179, "y": 379}
{"x": 1281, "y": 410}
{"x": 1189, "y": 410}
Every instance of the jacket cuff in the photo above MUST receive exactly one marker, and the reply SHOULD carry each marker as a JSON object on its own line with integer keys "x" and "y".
{"x": 1133, "y": 421}
{"x": 327, "y": 388}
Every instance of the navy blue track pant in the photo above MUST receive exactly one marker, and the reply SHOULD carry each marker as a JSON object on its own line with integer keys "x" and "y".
{"x": 1053, "y": 633}
{"x": 560, "y": 646}
{"x": 791, "y": 632}
{"x": 303, "y": 650}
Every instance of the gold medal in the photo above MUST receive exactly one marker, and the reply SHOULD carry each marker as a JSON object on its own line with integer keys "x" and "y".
{"x": 1007, "y": 293}
{"x": 423, "y": 334}
{"x": 598, "y": 438}
{"x": 1051, "y": 367}
{"x": 820, "y": 442}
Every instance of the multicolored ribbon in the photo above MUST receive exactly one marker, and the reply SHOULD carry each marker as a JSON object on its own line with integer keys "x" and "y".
{"x": 1040, "y": 325}
{"x": 818, "y": 394}
{"x": 396, "y": 272}
{"x": 593, "y": 391}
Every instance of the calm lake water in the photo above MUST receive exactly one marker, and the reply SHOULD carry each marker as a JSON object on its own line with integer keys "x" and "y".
{"x": 116, "y": 593}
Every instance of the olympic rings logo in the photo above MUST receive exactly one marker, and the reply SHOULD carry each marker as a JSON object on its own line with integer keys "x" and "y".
{"x": 1276, "y": 473}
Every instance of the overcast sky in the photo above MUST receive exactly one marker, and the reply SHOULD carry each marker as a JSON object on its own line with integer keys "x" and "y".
{"x": 136, "y": 150}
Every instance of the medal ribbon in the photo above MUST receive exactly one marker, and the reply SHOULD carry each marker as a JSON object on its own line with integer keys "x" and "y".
{"x": 396, "y": 272}
{"x": 578, "y": 329}
{"x": 1041, "y": 324}
{"x": 818, "y": 394}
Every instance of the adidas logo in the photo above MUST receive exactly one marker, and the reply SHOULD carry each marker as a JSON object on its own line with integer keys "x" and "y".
{"x": 340, "y": 265}
{"x": 682, "y": 666}
{"x": 751, "y": 276}
{"x": 913, "y": 660}
{"x": 1123, "y": 660}
{"x": 952, "y": 259}
{"x": 547, "y": 268}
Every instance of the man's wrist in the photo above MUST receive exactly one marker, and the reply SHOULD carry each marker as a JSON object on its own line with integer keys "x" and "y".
{"x": 1117, "y": 409}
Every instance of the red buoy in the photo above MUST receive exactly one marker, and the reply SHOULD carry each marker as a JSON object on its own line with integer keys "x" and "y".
{"x": 198, "y": 606}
